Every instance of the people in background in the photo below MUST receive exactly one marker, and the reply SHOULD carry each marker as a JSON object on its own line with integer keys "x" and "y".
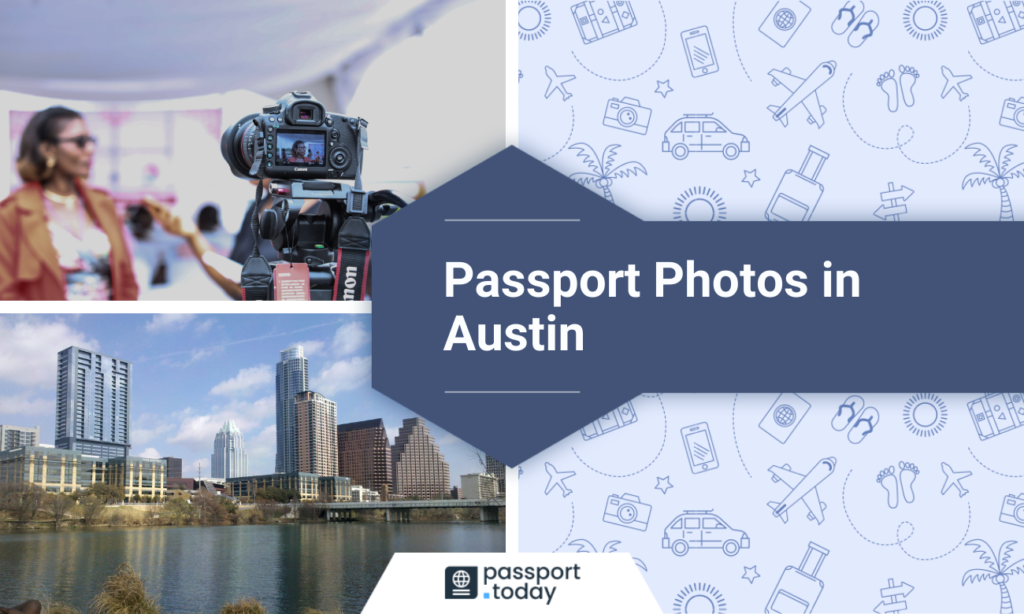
{"x": 60, "y": 238}
{"x": 29, "y": 607}
{"x": 298, "y": 154}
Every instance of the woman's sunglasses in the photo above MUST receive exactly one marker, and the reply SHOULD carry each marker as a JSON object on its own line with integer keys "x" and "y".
{"x": 80, "y": 141}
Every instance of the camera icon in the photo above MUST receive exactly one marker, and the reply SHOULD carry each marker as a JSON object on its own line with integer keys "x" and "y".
{"x": 1013, "y": 114}
{"x": 1013, "y": 510}
{"x": 627, "y": 114}
{"x": 627, "y": 511}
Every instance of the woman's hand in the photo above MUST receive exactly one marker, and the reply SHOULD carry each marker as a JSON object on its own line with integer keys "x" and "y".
{"x": 170, "y": 221}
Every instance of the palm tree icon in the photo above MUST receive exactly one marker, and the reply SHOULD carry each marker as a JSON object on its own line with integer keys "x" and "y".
{"x": 1000, "y": 173}
{"x": 602, "y": 166}
{"x": 999, "y": 572}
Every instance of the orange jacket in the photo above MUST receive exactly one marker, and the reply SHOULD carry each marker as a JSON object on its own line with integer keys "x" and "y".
{"x": 29, "y": 269}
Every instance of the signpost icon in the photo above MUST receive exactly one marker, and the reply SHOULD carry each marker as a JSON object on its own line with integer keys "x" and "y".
{"x": 893, "y": 597}
{"x": 894, "y": 203}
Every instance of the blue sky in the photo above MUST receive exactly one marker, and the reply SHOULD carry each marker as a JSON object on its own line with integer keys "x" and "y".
{"x": 191, "y": 373}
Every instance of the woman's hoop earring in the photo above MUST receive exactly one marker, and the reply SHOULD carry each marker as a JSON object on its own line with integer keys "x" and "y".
{"x": 51, "y": 162}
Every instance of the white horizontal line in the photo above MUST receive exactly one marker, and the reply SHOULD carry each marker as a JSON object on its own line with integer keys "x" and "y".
{"x": 511, "y": 391}
{"x": 523, "y": 220}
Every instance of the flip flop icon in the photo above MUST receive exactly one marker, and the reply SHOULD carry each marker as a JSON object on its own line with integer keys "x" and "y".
{"x": 847, "y": 16}
{"x": 847, "y": 412}
{"x": 864, "y": 29}
{"x": 864, "y": 425}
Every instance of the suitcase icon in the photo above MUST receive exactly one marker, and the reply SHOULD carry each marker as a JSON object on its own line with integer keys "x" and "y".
{"x": 798, "y": 588}
{"x": 798, "y": 192}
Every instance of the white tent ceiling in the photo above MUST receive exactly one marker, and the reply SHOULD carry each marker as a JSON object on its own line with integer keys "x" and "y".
{"x": 142, "y": 49}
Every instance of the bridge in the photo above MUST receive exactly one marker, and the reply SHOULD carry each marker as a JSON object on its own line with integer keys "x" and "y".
{"x": 401, "y": 511}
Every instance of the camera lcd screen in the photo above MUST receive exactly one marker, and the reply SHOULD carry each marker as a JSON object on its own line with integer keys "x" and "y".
{"x": 302, "y": 148}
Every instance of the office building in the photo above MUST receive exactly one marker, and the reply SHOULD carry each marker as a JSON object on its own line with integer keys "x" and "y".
{"x": 93, "y": 403}
{"x": 418, "y": 467}
{"x": 334, "y": 489}
{"x": 364, "y": 455}
{"x": 307, "y": 485}
{"x": 12, "y": 437}
{"x": 456, "y": 492}
{"x": 292, "y": 378}
{"x": 361, "y": 494}
{"x": 479, "y": 486}
{"x": 57, "y": 470}
{"x": 229, "y": 459}
{"x": 497, "y": 469}
{"x": 173, "y": 467}
{"x": 316, "y": 424}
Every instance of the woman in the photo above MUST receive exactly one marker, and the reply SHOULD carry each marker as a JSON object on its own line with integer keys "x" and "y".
{"x": 298, "y": 153}
{"x": 59, "y": 238}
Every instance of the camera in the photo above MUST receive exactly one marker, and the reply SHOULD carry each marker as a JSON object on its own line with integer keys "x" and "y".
{"x": 609, "y": 422}
{"x": 1013, "y": 114}
{"x": 627, "y": 511}
{"x": 1013, "y": 510}
{"x": 627, "y": 114}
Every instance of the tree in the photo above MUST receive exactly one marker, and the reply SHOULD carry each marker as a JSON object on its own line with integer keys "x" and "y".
{"x": 603, "y": 174}
{"x": 58, "y": 505}
{"x": 21, "y": 500}
{"x": 999, "y": 571}
{"x": 90, "y": 505}
{"x": 178, "y": 510}
{"x": 108, "y": 493}
{"x": 209, "y": 507}
{"x": 999, "y": 175}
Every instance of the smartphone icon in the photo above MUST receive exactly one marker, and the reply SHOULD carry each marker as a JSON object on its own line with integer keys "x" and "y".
{"x": 700, "y": 450}
{"x": 700, "y": 53}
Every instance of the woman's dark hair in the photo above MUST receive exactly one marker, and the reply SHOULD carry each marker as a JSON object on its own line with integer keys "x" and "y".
{"x": 44, "y": 127}
{"x": 296, "y": 144}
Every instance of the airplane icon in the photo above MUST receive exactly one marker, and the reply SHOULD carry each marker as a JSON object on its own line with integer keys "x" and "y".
{"x": 802, "y": 92}
{"x": 954, "y": 83}
{"x": 557, "y": 82}
{"x": 953, "y": 479}
{"x": 557, "y": 478}
{"x": 802, "y": 488}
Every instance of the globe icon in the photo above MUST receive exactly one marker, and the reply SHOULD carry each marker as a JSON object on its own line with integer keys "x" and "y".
{"x": 460, "y": 579}
{"x": 784, "y": 415}
{"x": 785, "y": 19}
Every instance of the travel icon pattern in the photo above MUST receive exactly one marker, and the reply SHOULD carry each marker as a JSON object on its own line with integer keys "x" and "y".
{"x": 899, "y": 93}
{"x": 795, "y": 502}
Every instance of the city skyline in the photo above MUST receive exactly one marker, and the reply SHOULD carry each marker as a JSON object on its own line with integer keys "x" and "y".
{"x": 192, "y": 373}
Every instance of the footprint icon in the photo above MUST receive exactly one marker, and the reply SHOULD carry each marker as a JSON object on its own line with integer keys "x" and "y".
{"x": 887, "y": 81}
{"x": 908, "y": 77}
{"x": 908, "y": 473}
{"x": 887, "y": 478}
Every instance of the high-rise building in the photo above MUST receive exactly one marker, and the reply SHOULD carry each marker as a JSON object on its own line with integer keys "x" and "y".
{"x": 292, "y": 378}
{"x": 364, "y": 455}
{"x": 93, "y": 403}
{"x": 456, "y": 492}
{"x": 418, "y": 467}
{"x": 229, "y": 459}
{"x": 12, "y": 437}
{"x": 479, "y": 486}
{"x": 497, "y": 469}
{"x": 173, "y": 467}
{"x": 316, "y": 423}
{"x": 69, "y": 471}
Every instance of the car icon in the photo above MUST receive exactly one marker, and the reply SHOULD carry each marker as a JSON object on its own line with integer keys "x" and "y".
{"x": 703, "y": 133}
{"x": 702, "y": 529}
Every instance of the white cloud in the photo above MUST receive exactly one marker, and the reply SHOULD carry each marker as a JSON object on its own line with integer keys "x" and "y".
{"x": 30, "y": 348}
{"x": 150, "y": 453}
{"x": 27, "y": 405}
{"x": 204, "y": 326}
{"x": 262, "y": 450}
{"x": 166, "y": 322}
{"x": 142, "y": 436}
{"x": 350, "y": 338}
{"x": 197, "y": 431}
{"x": 343, "y": 375}
{"x": 311, "y": 348}
{"x": 246, "y": 382}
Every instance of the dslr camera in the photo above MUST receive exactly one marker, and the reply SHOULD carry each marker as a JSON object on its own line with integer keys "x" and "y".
{"x": 627, "y": 511}
{"x": 307, "y": 153}
{"x": 1013, "y": 510}
{"x": 627, "y": 114}
{"x": 1013, "y": 114}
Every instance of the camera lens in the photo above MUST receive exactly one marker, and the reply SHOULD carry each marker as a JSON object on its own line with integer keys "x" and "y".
{"x": 237, "y": 146}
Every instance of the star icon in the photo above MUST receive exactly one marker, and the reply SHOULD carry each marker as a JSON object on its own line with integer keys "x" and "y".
{"x": 663, "y": 485}
{"x": 751, "y": 177}
{"x": 663, "y": 88}
{"x": 750, "y": 573}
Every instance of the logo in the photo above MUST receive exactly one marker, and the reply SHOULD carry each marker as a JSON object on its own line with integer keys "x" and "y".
{"x": 460, "y": 582}
{"x": 300, "y": 169}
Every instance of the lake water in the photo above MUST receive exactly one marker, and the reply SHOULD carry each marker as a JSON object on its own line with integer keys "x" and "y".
{"x": 198, "y": 569}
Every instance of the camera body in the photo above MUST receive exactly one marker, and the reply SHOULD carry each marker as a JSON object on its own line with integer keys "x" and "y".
{"x": 1013, "y": 114}
{"x": 627, "y": 511}
{"x": 617, "y": 419}
{"x": 1013, "y": 510}
{"x": 627, "y": 114}
{"x": 301, "y": 140}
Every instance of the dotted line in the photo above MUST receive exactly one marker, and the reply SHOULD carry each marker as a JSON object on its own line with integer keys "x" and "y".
{"x": 571, "y": 525}
{"x": 571, "y": 130}
{"x": 959, "y": 147}
{"x": 991, "y": 73}
{"x": 736, "y": 441}
{"x": 735, "y": 44}
{"x": 1005, "y": 475}
{"x": 917, "y": 558}
{"x": 664, "y": 436}
{"x": 664, "y": 40}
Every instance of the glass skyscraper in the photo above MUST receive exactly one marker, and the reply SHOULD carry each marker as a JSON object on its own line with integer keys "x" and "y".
{"x": 292, "y": 378}
{"x": 317, "y": 424}
{"x": 228, "y": 459}
{"x": 93, "y": 403}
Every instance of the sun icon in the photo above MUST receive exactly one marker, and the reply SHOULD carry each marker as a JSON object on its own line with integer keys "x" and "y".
{"x": 925, "y": 20}
{"x": 534, "y": 19}
{"x": 700, "y": 597}
{"x": 924, "y": 414}
{"x": 699, "y": 205}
